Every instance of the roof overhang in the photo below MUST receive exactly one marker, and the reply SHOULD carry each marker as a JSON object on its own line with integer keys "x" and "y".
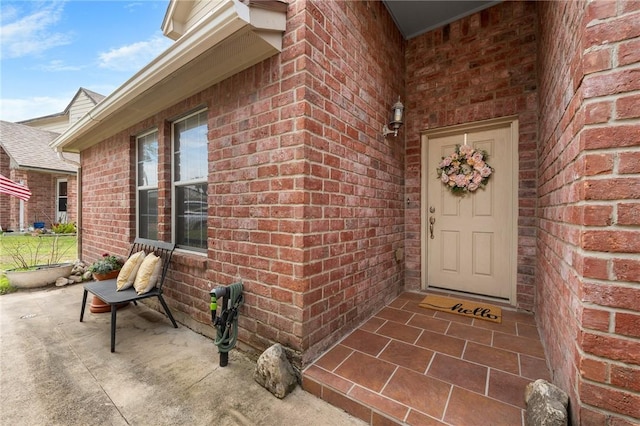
{"x": 232, "y": 37}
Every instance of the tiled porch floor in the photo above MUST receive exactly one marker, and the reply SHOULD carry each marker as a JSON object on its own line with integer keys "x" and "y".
{"x": 410, "y": 365}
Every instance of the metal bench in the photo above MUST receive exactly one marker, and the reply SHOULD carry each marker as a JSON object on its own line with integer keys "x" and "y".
{"x": 106, "y": 290}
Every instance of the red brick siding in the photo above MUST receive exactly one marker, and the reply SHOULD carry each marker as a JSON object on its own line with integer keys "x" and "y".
{"x": 305, "y": 195}
{"x": 477, "y": 68}
{"x": 588, "y": 240}
{"x": 42, "y": 205}
{"x": 5, "y": 200}
{"x": 108, "y": 197}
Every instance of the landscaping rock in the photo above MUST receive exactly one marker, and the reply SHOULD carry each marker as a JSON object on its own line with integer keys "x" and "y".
{"x": 546, "y": 404}
{"x": 275, "y": 373}
{"x": 62, "y": 281}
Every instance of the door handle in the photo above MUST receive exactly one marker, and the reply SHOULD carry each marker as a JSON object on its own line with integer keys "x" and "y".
{"x": 432, "y": 221}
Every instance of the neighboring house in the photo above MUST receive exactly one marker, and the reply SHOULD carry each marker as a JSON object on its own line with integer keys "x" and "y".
{"x": 271, "y": 114}
{"x": 83, "y": 101}
{"x": 25, "y": 156}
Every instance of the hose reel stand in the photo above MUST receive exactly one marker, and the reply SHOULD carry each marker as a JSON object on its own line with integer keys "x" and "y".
{"x": 230, "y": 298}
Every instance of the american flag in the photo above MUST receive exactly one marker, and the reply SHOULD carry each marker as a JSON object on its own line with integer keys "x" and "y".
{"x": 7, "y": 186}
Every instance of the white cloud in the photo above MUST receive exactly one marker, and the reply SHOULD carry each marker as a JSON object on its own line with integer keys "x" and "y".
{"x": 57, "y": 66}
{"x": 31, "y": 34}
{"x": 26, "y": 108}
{"x": 134, "y": 56}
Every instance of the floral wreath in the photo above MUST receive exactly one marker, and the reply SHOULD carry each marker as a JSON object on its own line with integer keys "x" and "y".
{"x": 465, "y": 170}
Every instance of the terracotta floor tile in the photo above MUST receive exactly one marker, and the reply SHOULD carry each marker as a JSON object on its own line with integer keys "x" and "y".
{"x": 333, "y": 358}
{"x": 398, "y": 303}
{"x": 408, "y": 356}
{"x": 366, "y": 342}
{"x": 416, "y": 308}
{"x": 470, "y": 408}
{"x": 416, "y": 418}
{"x": 381, "y": 403}
{"x": 525, "y": 330}
{"x": 372, "y": 324}
{"x": 402, "y": 332}
{"x": 440, "y": 343}
{"x": 468, "y": 332}
{"x": 396, "y": 315}
{"x": 327, "y": 378}
{"x": 507, "y": 388}
{"x": 523, "y": 317}
{"x": 534, "y": 368}
{"x": 416, "y": 390}
{"x": 477, "y": 370}
{"x": 492, "y": 357}
{"x": 453, "y": 317}
{"x": 378, "y": 419}
{"x": 429, "y": 323}
{"x": 355, "y": 408}
{"x": 523, "y": 345}
{"x": 366, "y": 371}
{"x": 508, "y": 327}
{"x": 312, "y": 386}
{"x": 459, "y": 372}
{"x": 412, "y": 296}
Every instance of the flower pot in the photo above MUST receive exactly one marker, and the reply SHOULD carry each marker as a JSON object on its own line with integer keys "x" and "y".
{"x": 41, "y": 276}
{"x": 98, "y": 306}
{"x": 106, "y": 276}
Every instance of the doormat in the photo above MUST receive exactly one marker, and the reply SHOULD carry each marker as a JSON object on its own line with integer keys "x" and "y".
{"x": 466, "y": 308}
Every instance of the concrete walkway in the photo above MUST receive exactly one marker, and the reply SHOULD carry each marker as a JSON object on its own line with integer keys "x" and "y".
{"x": 55, "y": 370}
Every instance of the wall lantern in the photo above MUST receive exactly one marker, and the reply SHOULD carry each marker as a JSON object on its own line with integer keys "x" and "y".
{"x": 396, "y": 119}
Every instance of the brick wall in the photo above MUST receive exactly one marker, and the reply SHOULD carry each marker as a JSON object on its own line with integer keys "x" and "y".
{"x": 108, "y": 198}
{"x": 5, "y": 200}
{"x": 42, "y": 205}
{"x": 477, "y": 68}
{"x": 305, "y": 195}
{"x": 588, "y": 265}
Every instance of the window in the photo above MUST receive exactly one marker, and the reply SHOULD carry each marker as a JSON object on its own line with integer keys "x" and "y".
{"x": 147, "y": 184}
{"x": 61, "y": 205}
{"x": 190, "y": 181}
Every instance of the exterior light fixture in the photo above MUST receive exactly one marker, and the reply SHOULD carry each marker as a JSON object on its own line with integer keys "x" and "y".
{"x": 396, "y": 119}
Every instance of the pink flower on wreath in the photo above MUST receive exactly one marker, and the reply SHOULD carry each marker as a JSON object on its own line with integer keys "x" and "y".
{"x": 445, "y": 162}
{"x": 444, "y": 178}
{"x": 477, "y": 178}
{"x": 461, "y": 180}
{"x": 472, "y": 186}
{"x": 466, "y": 150}
{"x": 478, "y": 157}
{"x": 486, "y": 171}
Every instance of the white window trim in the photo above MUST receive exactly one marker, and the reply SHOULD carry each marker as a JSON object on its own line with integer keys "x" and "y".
{"x": 183, "y": 183}
{"x": 146, "y": 187}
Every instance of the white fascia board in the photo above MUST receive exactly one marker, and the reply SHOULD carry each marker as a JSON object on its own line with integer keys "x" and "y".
{"x": 229, "y": 17}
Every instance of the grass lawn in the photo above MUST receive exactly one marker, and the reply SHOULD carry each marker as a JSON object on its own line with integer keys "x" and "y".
{"x": 24, "y": 250}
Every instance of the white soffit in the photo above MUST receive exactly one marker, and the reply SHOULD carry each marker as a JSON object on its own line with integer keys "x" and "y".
{"x": 230, "y": 38}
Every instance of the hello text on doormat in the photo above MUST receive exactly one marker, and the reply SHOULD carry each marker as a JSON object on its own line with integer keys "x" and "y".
{"x": 467, "y": 308}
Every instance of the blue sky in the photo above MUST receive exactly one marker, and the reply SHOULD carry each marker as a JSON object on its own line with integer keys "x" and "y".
{"x": 49, "y": 49}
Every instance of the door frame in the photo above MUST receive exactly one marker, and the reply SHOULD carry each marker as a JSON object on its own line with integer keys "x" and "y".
{"x": 512, "y": 123}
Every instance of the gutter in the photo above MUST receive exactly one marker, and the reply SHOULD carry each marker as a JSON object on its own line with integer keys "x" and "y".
{"x": 78, "y": 198}
{"x": 151, "y": 89}
{"x": 67, "y": 160}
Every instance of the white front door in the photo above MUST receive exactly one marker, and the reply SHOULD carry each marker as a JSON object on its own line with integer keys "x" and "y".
{"x": 470, "y": 240}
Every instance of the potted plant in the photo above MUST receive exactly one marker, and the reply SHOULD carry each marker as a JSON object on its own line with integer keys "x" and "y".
{"x": 107, "y": 268}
